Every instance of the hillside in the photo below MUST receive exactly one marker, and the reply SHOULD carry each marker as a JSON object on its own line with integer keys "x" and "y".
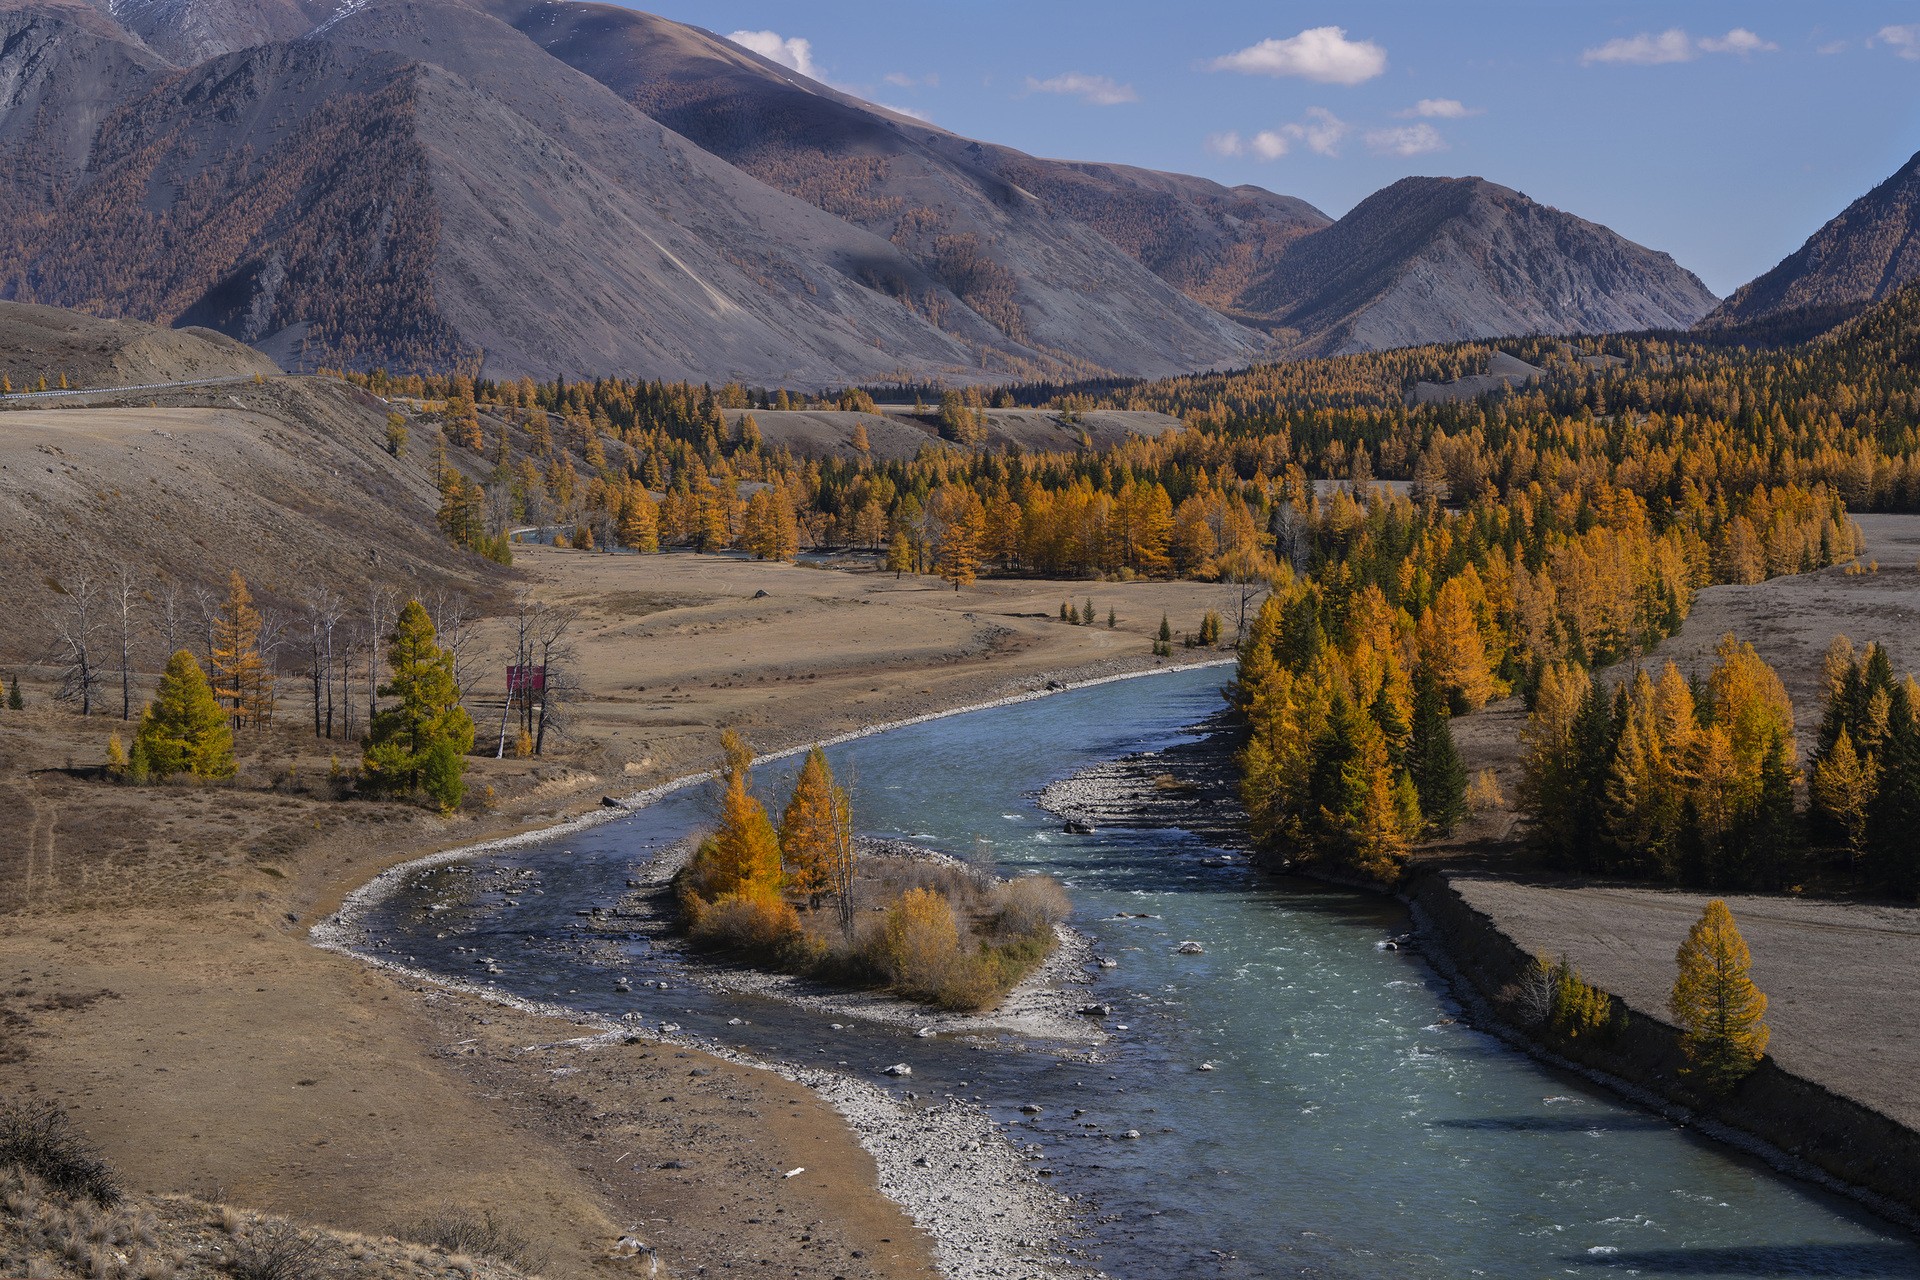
{"x": 582, "y": 189}
{"x": 1865, "y": 253}
{"x": 1453, "y": 259}
{"x": 284, "y": 479}
{"x": 47, "y": 343}
{"x": 959, "y": 210}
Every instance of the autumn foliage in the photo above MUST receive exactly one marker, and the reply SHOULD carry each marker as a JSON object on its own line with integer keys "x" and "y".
{"x": 1722, "y": 1015}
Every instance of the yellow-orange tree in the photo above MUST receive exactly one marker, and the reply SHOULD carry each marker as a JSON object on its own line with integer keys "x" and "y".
{"x": 241, "y": 678}
{"x": 1722, "y": 1015}
{"x": 183, "y": 730}
{"x": 816, "y": 833}
{"x": 741, "y": 859}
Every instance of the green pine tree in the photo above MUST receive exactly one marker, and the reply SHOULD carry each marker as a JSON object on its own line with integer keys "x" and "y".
{"x": 1893, "y": 815}
{"x": 14, "y": 701}
{"x": 1439, "y": 775}
{"x": 419, "y": 740}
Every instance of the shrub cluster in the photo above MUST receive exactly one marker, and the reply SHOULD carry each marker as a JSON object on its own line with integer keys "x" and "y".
{"x": 41, "y": 1141}
{"x": 943, "y": 935}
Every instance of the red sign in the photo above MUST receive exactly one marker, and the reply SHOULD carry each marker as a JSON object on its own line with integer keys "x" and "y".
{"x": 526, "y": 679}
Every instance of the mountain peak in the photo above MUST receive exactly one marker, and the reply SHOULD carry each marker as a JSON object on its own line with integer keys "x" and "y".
{"x": 1441, "y": 259}
{"x": 1861, "y": 256}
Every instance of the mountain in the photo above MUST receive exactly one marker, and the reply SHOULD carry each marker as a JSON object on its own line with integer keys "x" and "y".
{"x": 1444, "y": 259}
{"x": 575, "y": 189}
{"x": 1860, "y": 257}
{"x": 1042, "y": 269}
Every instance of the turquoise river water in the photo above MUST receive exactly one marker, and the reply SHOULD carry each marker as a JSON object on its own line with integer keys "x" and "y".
{"x": 1351, "y": 1126}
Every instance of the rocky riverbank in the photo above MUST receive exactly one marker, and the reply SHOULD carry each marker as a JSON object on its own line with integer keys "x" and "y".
{"x": 1191, "y": 786}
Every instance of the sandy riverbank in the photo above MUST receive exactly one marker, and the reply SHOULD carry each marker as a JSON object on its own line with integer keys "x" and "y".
{"x": 160, "y": 985}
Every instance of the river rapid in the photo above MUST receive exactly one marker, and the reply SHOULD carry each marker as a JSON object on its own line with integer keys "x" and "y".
{"x": 1306, "y": 1101}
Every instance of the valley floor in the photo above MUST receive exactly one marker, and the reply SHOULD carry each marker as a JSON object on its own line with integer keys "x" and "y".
{"x": 155, "y": 976}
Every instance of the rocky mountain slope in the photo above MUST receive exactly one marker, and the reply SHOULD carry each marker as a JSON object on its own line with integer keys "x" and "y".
{"x": 1443, "y": 259}
{"x": 574, "y": 189}
{"x": 1860, "y": 257}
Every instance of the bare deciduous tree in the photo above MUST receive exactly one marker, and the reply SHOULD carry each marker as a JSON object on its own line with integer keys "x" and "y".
{"x": 123, "y": 599}
{"x": 206, "y": 604}
{"x": 379, "y": 603}
{"x": 553, "y": 646}
{"x": 321, "y": 616}
{"x": 273, "y": 636}
{"x": 75, "y": 623}
{"x": 170, "y": 608}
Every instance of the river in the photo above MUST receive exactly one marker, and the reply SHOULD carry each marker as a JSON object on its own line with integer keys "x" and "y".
{"x": 1350, "y": 1125}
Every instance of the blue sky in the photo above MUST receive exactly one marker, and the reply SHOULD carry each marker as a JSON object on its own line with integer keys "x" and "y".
{"x": 1723, "y": 134}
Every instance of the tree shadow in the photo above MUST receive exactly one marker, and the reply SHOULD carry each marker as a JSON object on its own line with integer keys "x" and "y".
{"x": 1877, "y": 1260}
{"x": 1552, "y": 1124}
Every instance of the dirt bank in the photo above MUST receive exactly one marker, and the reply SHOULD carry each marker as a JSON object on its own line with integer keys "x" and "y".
{"x": 1806, "y": 1110}
{"x": 158, "y": 979}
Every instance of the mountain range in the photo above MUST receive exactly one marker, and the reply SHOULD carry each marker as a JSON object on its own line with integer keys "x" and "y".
{"x": 577, "y": 189}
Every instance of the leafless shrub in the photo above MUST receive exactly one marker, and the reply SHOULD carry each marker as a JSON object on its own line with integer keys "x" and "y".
{"x": 462, "y": 1231}
{"x": 279, "y": 1250}
{"x": 41, "y": 1141}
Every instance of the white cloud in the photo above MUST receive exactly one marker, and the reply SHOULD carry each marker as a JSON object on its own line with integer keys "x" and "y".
{"x": 792, "y": 52}
{"x": 1405, "y": 140}
{"x": 1101, "y": 91}
{"x": 1740, "y": 41}
{"x": 912, "y": 113}
{"x": 1323, "y": 54}
{"x": 1832, "y": 47}
{"x": 1270, "y": 144}
{"x": 1321, "y": 133}
{"x": 1674, "y": 45}
{"x": 1904, "y": 41}
{"x": 1439, "y": 109}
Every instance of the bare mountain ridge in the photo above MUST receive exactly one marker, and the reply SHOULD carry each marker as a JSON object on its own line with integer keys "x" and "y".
{"x": 419, "y": 233}
{"x": 1860, "y": 257}
{"x": 579, "y": 189}
{"x": 1005, "y": 251}
{"x": 1448, "y": 259}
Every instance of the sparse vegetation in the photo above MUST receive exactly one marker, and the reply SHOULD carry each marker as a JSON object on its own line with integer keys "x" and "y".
{"x": 39, "y": 1141}
{"x": 938, "y": 933}
{"x": 479, "y": 1233}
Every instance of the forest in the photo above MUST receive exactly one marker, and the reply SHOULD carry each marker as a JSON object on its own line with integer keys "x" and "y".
{"x": 1422, "y": 559}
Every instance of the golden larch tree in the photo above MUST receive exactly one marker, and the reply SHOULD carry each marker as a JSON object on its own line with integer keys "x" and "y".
{"x": 1722, "y": 1015}
{"x": 961, "y": 523}
{"x": 741, "y": 859}
{"x": 1451, "y": 645}
{"x": 241, "y": 679}
{"x": 814, "y": 832}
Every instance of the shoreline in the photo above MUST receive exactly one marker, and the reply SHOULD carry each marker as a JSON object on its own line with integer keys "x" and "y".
{"x": 1457, "y": 949}
{"x": 988, "y": 1216}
